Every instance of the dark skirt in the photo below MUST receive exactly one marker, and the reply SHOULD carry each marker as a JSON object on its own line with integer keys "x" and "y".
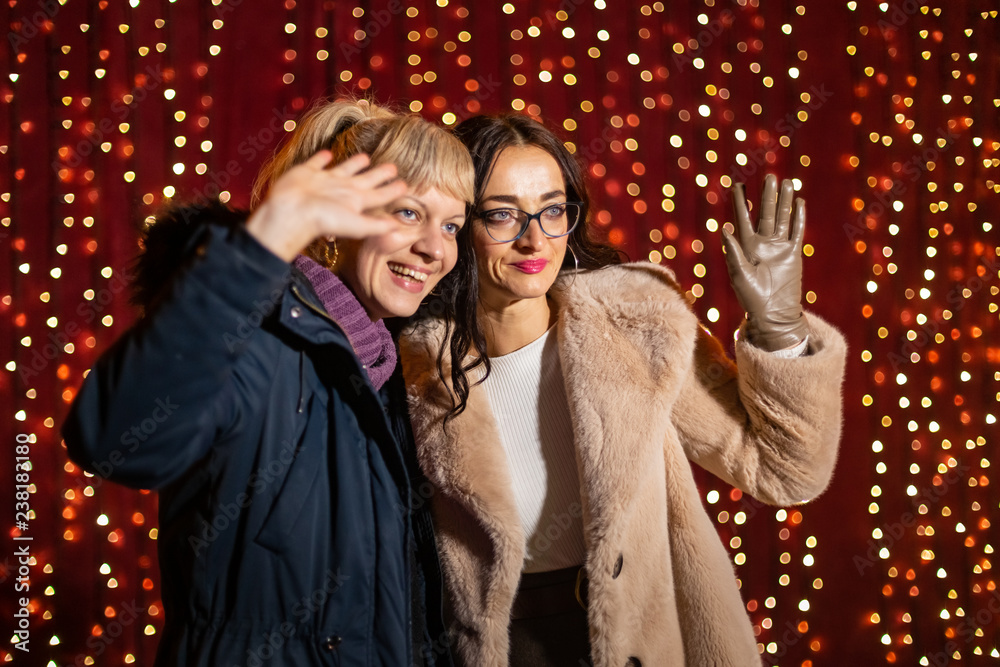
{"x": 549, "y": 624}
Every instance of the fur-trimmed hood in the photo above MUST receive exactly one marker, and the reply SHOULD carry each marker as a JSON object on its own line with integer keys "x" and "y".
{"x": 648, "y": 392}
{"x": 167, "y": 243}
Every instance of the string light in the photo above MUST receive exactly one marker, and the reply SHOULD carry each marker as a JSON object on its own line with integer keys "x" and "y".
{"x": 667, "y": 110}
{"x": 913, "y": 211}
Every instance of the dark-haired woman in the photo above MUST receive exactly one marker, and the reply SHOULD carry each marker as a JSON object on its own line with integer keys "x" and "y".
{"x": 559, "y": 421}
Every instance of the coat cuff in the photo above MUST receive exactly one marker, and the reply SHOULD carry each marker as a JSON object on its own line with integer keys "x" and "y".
{"x": 826, "y": 350}
{"x": 804, "y": 393}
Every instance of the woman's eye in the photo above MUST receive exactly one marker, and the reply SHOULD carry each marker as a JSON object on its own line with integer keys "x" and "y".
{"x": 407, "y": 215}
{"x": 499, "y": 216}
{"x": 452, "y": 228}
{"x": 555, "y": 211}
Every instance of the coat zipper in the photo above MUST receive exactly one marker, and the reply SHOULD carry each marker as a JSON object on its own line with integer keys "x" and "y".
{"x": 409, "y": 533}
{"x": 322, "y": 313}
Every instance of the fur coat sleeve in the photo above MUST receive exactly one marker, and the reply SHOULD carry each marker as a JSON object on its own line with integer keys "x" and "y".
{"x": 770, "y": 429}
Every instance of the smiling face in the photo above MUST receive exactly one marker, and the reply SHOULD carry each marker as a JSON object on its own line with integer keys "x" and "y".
{"x": 526, "y": 178}
{"x": 391, "y": 274}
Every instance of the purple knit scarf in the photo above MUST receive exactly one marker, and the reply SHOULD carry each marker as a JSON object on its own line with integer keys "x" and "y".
{"x": 371, "y": 341}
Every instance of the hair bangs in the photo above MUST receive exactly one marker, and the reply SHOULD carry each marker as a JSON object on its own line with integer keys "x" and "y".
{"x": 325, "y": 125}
{"x": 427, "y": 156}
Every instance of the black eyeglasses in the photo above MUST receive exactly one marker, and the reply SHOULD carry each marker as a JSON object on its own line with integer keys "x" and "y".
{"x": 509, "y": 224}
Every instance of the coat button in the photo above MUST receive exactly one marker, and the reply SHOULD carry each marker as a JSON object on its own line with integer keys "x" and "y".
{"x": 331, "y": 643}
{"x": 618, "y": 567}
{"x": 295, "y": 311}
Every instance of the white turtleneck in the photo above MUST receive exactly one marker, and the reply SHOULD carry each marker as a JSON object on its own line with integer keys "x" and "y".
{"x": 528, "y": 398}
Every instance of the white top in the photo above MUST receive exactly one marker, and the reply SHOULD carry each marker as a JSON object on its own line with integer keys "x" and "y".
{"x": 793, "y": 352}
{"x": 528, "y": 398}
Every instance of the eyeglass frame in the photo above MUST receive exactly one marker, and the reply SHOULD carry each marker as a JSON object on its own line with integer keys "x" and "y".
{"x": 533, "y": 216}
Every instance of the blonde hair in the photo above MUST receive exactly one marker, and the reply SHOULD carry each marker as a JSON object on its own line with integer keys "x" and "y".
{"x": 426, "y": 155}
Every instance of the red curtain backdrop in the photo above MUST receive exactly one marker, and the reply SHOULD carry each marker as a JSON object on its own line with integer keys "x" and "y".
{"x": 885, "y": 113}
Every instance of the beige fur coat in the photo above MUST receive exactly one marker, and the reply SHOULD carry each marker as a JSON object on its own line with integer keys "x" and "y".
{"x": 648, "y": 390}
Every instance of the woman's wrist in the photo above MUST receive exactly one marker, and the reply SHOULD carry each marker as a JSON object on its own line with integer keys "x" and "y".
{"x": 276, "y": 235}
{"x": 777, "y": 330}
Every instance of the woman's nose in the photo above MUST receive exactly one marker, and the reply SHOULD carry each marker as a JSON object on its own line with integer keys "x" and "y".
{"x": 533, "y": 237}
{"x": 430, "y": 244}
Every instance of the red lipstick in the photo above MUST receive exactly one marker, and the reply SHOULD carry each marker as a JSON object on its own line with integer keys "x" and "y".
{"x": 531, "y": 265}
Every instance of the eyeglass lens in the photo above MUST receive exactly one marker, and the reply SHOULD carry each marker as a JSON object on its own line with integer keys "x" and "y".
{"x": 507, "y": 224}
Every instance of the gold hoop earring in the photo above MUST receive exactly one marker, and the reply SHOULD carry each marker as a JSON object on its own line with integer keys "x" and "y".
{"x": 329, "y": 262}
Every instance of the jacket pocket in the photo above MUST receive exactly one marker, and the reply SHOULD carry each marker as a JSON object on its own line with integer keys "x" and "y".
{"x": 297, "y": 489}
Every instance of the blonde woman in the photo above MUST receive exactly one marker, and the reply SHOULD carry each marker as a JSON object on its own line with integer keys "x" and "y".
{"x": 283, "y": 458}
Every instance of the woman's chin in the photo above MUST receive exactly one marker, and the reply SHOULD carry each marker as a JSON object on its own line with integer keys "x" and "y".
{"x": 402, "y": 308}
{"x": 528, "y": 286}
{"x": 399, "y": 297}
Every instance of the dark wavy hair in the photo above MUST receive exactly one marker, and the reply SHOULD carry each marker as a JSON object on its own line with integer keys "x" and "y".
{"x": 486, "y": 137}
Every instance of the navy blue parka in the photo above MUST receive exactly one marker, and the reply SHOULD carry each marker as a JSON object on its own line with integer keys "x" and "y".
{"x": 289, "y": 529}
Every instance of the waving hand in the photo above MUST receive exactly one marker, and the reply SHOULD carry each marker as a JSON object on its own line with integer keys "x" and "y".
{"x": 765, "y": 266}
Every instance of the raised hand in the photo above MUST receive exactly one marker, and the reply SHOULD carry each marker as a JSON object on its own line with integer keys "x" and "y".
{"x": 312, "y": 200}
{"x": 765, "y": 266}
